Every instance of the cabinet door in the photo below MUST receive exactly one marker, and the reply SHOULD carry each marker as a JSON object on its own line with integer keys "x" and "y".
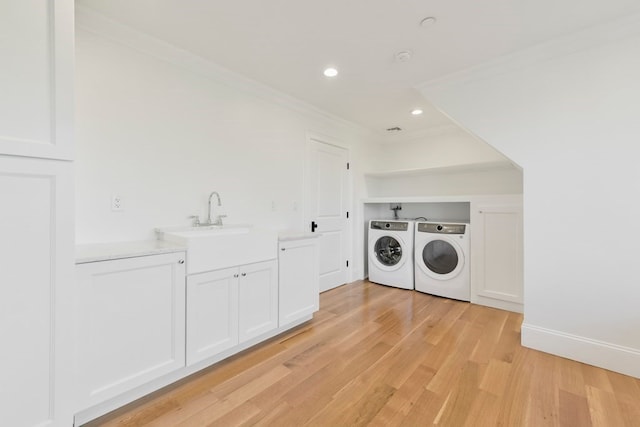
{"x": 131, "y": 323}
{"x": 36, "y": 78}
{"x": 298, "y": 280}
{"x": 258, "y": 299}
{"x": 36, "y": 292}
{"x": 212, "y": 313}
{"x": 497, "y": 253}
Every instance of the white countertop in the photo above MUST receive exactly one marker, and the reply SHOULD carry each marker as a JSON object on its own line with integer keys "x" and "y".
{"x": 107, "y": 251}
{"x": 287, "y": 235}
{"x": 117, "y": 250}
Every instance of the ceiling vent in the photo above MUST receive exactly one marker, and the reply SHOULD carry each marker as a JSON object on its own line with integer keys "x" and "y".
{"x": 404, "y": 56}
{"x": 395, "y": 129}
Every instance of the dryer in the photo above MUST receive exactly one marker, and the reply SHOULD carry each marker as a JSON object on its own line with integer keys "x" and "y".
{"x": 442, "y": 259}
{"x": 391, "y": 252}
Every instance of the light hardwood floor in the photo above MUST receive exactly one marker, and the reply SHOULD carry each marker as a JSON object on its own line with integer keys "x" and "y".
{"x": 381, "y": 356}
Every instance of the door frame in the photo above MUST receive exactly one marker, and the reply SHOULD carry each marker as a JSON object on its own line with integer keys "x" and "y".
{"x": 312, "y": 138}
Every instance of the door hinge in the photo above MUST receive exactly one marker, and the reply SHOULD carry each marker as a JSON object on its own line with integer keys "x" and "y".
{"x": 347, "y": 165}
{"x": 347, "y": 263}
{"x": 347, "y": 214}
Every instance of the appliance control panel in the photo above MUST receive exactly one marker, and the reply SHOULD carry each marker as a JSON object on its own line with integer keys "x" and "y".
{"x": 427, "y": 227}
{"x": 389, "y": 225}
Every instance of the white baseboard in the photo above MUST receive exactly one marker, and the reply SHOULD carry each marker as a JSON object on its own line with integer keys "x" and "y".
{"x": 605, "y": 355}
{"x": 496, "y": 303}
{"x": 88, "y": 414}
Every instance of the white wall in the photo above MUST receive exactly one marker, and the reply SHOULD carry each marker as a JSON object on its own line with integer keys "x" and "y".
{"x": 163, "y": 135}
{"x": 443, "y": 162}
{"x": 571, "y": 121}
{"x": 441, "y": 147}
{"x": 472, "y": 182}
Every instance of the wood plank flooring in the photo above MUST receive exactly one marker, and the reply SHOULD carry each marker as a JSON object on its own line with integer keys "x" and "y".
{"x": 381, "y": 356}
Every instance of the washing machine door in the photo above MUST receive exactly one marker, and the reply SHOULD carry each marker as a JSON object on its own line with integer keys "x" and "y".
{"x": 442, "y": 258}
{"x": 388, "y": 252}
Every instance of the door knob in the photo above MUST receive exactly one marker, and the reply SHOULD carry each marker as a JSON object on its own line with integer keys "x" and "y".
{"x": 313, "y": 226}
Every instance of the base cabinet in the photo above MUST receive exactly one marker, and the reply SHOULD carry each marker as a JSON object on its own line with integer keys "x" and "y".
{"x": 497, "y": 253}
{"x": 36, "y": 292}
{"x": 257, "y": 299}
{"x": 230, "y": 306}
{"x": 131, "y": 323}
{"x": 298, "y": 279}
{"x": 212, "y": 313}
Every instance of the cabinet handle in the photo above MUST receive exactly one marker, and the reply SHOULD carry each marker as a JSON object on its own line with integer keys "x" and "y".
{"x": 235, "y": 275}
{"x": 282, "y": 249}
{"x": 181, "y": 261}
{"x": 244, "y": 274}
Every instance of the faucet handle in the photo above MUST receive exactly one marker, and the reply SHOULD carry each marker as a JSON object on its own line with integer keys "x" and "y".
{"x": 196, "y": 220}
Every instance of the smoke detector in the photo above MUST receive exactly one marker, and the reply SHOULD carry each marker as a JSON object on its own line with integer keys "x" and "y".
{"x": 404, "y": 56}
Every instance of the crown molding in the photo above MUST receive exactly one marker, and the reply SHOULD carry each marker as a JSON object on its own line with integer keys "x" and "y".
{"x": 588, "y": 38}
{"x": 95, "y": 23}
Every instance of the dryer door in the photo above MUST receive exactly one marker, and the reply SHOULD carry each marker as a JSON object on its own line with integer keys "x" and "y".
{"x": 388, "y": 252}
{"x": 442, "y": 258}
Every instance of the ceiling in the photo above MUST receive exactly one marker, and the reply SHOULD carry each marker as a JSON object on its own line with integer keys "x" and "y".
{"x": 286, "y": 44}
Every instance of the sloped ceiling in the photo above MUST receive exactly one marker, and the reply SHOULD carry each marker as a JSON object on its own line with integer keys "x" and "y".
{"x": 286, "y": 44}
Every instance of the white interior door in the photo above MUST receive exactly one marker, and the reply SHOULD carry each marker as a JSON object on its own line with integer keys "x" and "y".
{"x": 328, "y": 201}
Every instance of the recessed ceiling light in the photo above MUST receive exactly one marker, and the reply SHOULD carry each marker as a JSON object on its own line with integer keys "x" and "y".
{"x": 416, "y": 111}
{"x": 330, "y": 72}
{"x": 428, "y": 21}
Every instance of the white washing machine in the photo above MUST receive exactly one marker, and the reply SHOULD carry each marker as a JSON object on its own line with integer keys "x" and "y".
{"x": 442, "y": 259}
{"x": 391, "y": 252}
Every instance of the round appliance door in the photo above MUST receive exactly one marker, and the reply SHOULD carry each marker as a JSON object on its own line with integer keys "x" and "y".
{"x": 441, "y": 258}
{"x": 388, "y": 252}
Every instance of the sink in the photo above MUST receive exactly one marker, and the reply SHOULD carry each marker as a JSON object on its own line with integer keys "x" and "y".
{"x": 196, "y": 232}
{"x": 215, "y": 247}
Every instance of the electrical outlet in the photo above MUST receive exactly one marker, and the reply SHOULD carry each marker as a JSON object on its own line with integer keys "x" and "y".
{"x": 116, "y": 204}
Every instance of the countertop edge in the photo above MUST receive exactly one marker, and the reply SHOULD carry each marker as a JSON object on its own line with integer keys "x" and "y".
{"x": 96, "y": 252}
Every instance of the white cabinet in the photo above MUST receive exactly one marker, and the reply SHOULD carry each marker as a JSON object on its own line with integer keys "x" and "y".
{"x": 131, "y": 323}
{"x": 36, "y": 213}
{"x": 230, "y": 306}
{"x": 298, "y": 280}
{"x": 36, "y": 78}
{"x": 497, "y": 253}
{"x": 257, "y": 299}
{"x": 36, "y": 279}
{"x": 212, "y": 313}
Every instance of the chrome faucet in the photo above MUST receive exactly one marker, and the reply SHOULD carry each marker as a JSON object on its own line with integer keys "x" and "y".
{"x": 218, "y": 220}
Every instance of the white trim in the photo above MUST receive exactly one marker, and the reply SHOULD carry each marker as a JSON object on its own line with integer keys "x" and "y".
{"x": 451, "y": 169}
{"x": 326, "y": 139}
{"x": 605, "y": 355}
{"x": 93, "y": 22}
{"x": 591, "y": 37}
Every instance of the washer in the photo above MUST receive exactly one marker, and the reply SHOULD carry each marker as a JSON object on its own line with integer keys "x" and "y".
{"x": 442, "y": 259}
{"x": 391, "y": 252}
